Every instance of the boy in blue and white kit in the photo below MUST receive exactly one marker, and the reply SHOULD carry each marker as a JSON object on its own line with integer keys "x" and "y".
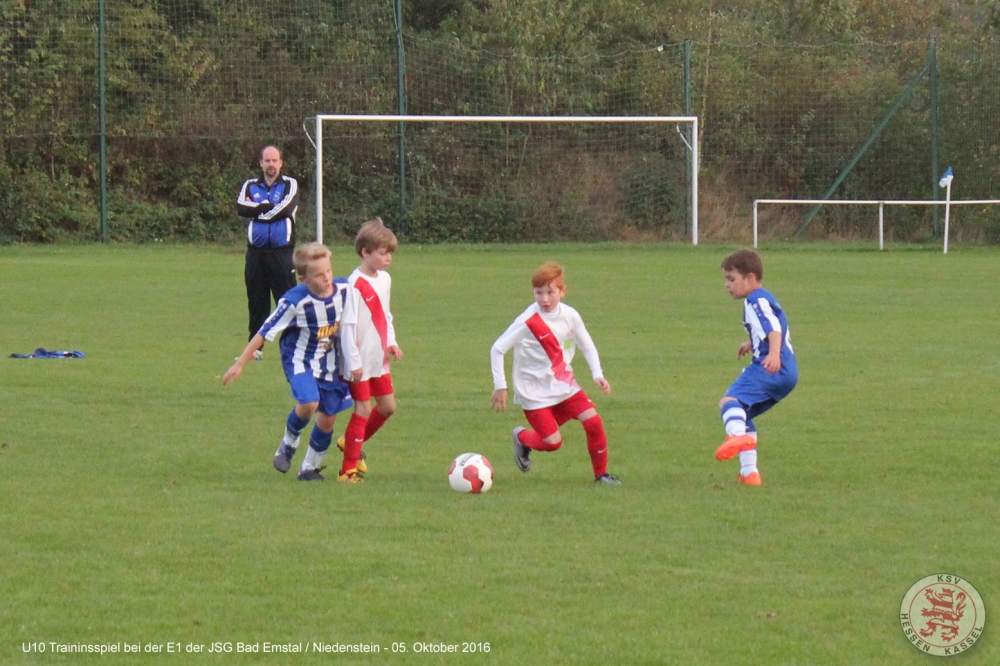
{"x": 771, "y": 375}
{"x": 307, "y": 319}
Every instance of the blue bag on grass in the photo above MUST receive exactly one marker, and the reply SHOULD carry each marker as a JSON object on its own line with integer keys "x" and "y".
{"x": 46, "y": 353}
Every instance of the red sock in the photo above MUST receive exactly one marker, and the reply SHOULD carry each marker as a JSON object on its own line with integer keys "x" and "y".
{"x": 375, "y": 421}
{"x": 354, "y": 437}
{"x": 597, "y": 444}
{"x": 534, "y": 441}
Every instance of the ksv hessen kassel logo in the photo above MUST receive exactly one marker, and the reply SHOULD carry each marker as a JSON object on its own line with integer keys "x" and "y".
{"x": 942, "y": 615}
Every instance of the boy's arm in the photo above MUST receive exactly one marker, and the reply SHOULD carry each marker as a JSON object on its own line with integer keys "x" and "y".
{"x": 503, "y": 345}
{"x": 772, "y": 362}
{"x": 233, "y": 373}
{"x": 284, "y": 208}
{"x": 349, "y": 335}
{"x": 499, "y": 400}
{"x": 771, "y": 324}
{"x": 589, "y": 351}
{"x": 390, "y": 328}
{"x": 390, "y": 337}
{"x": 350, "y": 350}
{"x": 246, "y": 206}
{"x": 276, "y": 322}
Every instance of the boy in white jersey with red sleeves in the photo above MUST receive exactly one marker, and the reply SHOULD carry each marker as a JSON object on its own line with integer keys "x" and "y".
{"x": 544, "y": 384}
{"x": 367, "y": 340}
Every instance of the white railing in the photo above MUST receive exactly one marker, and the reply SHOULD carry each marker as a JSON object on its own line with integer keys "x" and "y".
{"x": 881, "y": 209}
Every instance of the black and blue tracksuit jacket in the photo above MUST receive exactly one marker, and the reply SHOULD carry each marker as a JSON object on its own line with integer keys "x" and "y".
{"x": 272, "y": 216}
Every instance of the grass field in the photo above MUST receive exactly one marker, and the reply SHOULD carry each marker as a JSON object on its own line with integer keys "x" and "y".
{"x": 140, "y": 507}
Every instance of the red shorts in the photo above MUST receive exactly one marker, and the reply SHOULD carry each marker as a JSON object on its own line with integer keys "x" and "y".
{"x": 546, "y": 421}
{"x": 373, "y": 387}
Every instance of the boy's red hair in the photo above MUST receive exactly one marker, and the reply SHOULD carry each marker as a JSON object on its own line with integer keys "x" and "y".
{"x": 549, "y": 272}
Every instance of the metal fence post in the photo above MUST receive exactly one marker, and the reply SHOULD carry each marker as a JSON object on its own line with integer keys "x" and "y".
{"x": 935, "y": 129}
{"x": 401, "y": 96}
{"x": 101, "y": 109}
{"x": 687, "y": 155}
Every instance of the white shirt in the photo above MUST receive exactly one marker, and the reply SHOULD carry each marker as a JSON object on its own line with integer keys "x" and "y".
{"x": 535, "y": 382}
{"x": 360, "y": 342}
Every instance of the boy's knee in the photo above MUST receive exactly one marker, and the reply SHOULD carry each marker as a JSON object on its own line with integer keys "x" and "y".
{"x": 386, "y": 405}
{"x": 726, "y": 400}
{"x": 593, "y": 425}
{"x": 555, "y": 441}
{"x": 325, "y": 422}
{"x": 305, "y": 410}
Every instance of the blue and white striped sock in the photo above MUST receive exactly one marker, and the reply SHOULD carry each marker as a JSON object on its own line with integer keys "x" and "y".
{"x": 734, "y": 417}
{"x": 293, "y": 428}
{"x": 319, "y": 442}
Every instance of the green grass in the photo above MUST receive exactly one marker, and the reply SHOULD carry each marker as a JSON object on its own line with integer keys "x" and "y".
{"x": 140, "y": 506}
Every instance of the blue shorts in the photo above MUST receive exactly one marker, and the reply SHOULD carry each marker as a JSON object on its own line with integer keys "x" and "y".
{"x": 333, "y": 397}
{"x": 759, "y": 391}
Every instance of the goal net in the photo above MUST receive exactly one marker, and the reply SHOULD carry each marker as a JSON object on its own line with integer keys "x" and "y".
{"x": 509, "y": 178}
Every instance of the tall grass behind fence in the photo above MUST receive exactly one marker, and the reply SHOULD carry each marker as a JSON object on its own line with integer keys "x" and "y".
{"x": 193, "y": 89}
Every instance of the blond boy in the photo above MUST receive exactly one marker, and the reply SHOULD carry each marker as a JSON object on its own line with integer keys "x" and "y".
{"x": 306, "y": 321}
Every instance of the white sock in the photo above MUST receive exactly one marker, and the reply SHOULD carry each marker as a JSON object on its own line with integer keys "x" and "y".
{"x": 313, "y": 459}
{"x": 734, "y": 417}
{"x": 748, "y": 460}
{"x": 289, "y": 441}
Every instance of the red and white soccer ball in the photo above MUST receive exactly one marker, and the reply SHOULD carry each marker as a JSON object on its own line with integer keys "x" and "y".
{"x": 471, "y": 473}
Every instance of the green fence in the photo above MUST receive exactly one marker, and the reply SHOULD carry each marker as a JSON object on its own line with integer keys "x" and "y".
{"x": 193, "y": 88}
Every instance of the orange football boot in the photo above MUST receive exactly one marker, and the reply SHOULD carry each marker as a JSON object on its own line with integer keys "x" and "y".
{"x": 752, "y": 479}
{"x": 362, "y": 466}
{"x": 733, "y": 445}
{"x": 350, "y": 476}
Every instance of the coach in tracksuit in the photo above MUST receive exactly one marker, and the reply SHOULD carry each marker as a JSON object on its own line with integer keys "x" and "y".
{"x": 269, "y": 202}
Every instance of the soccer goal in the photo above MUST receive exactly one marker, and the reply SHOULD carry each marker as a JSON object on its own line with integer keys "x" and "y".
{"x": 511, "y": 177}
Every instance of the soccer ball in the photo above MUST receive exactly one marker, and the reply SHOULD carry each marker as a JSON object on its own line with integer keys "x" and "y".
{"x": 471, "y": 473}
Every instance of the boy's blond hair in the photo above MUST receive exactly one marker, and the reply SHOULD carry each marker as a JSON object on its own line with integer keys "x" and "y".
{"x": 744, "y": 262}
{"x": 547, "y": 273}
{"x": 306, "y": 254}
{"x": 374, "y": 235}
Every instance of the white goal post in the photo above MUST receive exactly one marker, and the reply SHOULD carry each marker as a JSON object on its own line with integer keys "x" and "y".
{"x": 692, "y": 146}
{"x": 881, "y": 210}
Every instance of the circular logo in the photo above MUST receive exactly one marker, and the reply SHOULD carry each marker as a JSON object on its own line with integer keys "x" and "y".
{"x": 942, "y": 615}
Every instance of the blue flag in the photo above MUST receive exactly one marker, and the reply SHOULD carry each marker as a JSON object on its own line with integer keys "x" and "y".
{"x": 946, "y": 178}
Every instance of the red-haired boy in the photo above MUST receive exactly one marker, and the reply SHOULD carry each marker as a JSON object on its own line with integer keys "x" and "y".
{"x": 544, "y": 384}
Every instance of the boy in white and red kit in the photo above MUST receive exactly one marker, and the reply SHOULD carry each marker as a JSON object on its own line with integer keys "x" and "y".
{"x": 544, "y": 385}
{"x": 367, "y": 340}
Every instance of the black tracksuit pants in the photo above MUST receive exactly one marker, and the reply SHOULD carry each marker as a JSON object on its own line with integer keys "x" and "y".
{"x": 269, "y": 271}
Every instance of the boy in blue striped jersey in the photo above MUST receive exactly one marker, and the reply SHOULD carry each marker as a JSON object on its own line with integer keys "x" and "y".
{"x": 307, "y": 319}
{"x": 771, "y": 375}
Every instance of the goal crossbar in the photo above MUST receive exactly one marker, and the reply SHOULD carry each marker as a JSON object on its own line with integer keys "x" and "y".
{"x": 881, "y": 203}
{"x": 692, "y": 145}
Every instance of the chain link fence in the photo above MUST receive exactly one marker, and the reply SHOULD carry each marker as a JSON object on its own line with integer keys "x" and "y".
{"x": 191, "y": 89}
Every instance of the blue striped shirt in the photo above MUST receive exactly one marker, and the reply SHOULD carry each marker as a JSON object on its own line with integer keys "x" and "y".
{"x": 761, "y": 315}
{"x": 308, "y": 327}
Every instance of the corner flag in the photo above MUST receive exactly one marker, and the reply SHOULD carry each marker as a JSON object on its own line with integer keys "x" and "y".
{"x": 946, "y": 178}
